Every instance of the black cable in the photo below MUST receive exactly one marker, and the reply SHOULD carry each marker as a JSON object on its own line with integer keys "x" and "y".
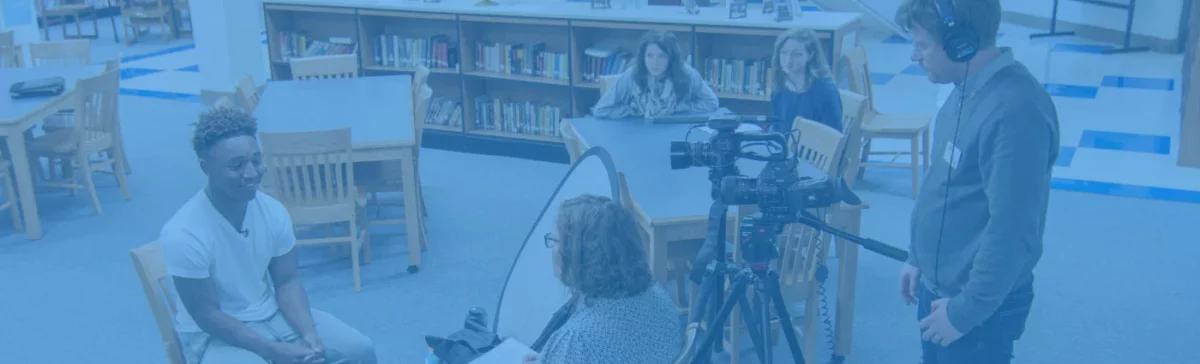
{"x": 962, "y": 101}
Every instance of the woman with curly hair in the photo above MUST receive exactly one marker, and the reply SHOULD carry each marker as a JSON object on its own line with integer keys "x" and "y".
{"x": 659, "y": 83}
{"x": 620, "y": 314}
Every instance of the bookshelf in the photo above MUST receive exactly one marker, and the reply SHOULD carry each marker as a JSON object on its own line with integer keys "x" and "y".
{"x": 504, "y": 75}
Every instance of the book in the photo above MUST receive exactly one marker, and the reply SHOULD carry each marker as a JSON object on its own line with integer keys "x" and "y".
{"x": 510, "y": 351}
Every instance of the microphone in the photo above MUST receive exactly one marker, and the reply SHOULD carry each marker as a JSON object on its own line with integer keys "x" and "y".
{"x": 245, "y": 233}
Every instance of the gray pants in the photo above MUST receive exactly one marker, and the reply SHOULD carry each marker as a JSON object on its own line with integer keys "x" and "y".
{"x": 343, "y": 344}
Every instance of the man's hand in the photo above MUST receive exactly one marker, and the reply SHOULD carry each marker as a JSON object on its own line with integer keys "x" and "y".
{"x": 910, "y": 278}
{"x": 288, "y": 353}
{"x": 530, "y": 359}
{"x": 314, "y": 342}
{"x": 936, "y": 327}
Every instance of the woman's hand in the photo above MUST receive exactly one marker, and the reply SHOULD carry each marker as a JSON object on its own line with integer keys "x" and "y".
{"x": 531, "y": 358}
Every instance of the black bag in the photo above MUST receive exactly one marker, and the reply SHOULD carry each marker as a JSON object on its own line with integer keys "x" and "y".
{"x": 42, "y": 87}
{"x": 467, "y": 344}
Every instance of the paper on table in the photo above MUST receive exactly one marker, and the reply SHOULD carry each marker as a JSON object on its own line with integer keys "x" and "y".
{"x": 510, "y": 351}
{"x": 741, "y": 128}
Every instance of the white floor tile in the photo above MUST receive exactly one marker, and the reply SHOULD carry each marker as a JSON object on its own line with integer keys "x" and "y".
{"x": 1141, "y": 169}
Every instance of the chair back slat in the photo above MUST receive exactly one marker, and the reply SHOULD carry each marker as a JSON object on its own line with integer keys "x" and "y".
{"x": 312, "y": 171}
{"x": 860, "y": 75}
{"x": 854, "y": 109}
{"x": 152, "y": 272}
{"x": 95, "y": 112}
{"x": 60, "y": 53}
{"x": 818, "y": 144}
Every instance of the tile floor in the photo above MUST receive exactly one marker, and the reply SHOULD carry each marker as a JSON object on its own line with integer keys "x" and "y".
{"x": 1112, "y": 283}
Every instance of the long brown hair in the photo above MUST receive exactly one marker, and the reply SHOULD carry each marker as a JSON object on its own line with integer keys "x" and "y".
{"x": 600, "y": 250}
{"x": 817, "y": 67}
{"x": 675, "y": 70}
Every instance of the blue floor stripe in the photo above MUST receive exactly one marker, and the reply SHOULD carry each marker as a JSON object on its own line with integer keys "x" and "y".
{"x": 1123, "y": 190}
{"x": 914, "y": 69}
{"x": 1145, "y": 83}
{"x": 1075, "y": 91}
{"x": 192, "y": 68}
{"x": 128, "y": 73}
{"x": 1079, "y": 48}
{"x": 881, "y": 78}
{"x": 160, "y": 95}
{"x": 1126, "y": 142}
{"x": 1065, "y": 156}
{"x": 158, "y": 53}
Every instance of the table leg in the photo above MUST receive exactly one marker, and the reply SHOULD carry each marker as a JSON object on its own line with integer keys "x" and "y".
{"x": 849, "y": 219}
{"x": 412, "y": 210}
{"x": 25, "y": 188}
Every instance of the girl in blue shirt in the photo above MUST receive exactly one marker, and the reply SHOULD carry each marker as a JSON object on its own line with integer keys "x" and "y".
{"x": 801, "y": 83}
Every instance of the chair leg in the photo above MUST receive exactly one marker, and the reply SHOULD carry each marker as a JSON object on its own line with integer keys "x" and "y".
{"x": 11, "y": 194}
{"x": 86, "y": 171}
{"x": 925, "y": 148}
{"x": 915, "y": 162}
{"x": 866, "y": 156}
{"x": 366, "y": 245}
{"x": 119, "y": 170}
{"x": 354, "y": 251}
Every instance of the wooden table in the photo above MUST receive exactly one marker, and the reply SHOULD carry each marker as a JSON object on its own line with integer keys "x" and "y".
{"x": 18, "y": 116}
{"x": 378, "y": 111}
{"x": 673, "y": 205}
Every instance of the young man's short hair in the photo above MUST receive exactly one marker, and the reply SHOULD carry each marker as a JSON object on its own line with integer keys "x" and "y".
{"x": 221, "y": 123}
{"x": 981, "y": 16}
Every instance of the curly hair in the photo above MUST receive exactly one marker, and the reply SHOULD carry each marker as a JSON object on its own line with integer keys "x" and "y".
{"x": 601, "y": 253}
{"x": 221, "y": 123}
{"x": 817, "y": 67}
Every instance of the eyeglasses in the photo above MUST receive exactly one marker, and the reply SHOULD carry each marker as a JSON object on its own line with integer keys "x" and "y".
{"x": 551, "y": 241}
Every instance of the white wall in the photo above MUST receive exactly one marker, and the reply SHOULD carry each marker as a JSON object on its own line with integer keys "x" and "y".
{"x": 21, "y": 17}
{"x": 1155, "y": 18}
{"x": 228, "y": 39}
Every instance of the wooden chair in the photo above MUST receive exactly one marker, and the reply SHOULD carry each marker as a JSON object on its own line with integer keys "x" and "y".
{"x": 876, "y": 125}
{"x": 339, "y": 66}
{"x": 152, "y": 272}
{"x": 248, "y": 92}
{"x": 11, "y": 53}
{"x": 10, "y": 195}
{"x": 854, "y": 107}
{"x": 607, "y": 81}
{"x": 94, "y": 130}
{"x": 312, "y": 174}
{"x": 68, "y": 9}
{"x": 139, "y": 14}
{"x": 60, "y": 53}
{"x": 420, "y": 78}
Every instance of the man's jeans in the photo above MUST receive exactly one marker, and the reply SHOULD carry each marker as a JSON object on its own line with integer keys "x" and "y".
{"x": 991, "y": 342}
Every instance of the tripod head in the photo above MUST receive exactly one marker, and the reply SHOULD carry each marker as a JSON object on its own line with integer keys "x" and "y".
{"x": 722, "y": 150}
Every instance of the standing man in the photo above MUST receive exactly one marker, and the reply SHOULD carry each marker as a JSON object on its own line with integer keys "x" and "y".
{"x": 978, "y": 221}
{"x": 229, "y": 250}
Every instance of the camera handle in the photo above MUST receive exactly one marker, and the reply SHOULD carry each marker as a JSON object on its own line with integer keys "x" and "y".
{"x": 804, "y": 217}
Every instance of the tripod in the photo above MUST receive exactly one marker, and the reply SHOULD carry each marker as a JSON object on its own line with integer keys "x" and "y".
{"x": 758, "y": 236}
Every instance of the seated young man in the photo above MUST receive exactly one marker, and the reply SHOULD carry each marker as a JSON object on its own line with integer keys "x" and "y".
{"x": 229, "y": 250}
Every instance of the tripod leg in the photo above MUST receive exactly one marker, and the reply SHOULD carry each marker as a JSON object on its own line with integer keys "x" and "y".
{"x": 764, "y": 313}
{"x": 785, "y": 320}
{"x": 704, "y": 352}
{"x": 749, "y": 314}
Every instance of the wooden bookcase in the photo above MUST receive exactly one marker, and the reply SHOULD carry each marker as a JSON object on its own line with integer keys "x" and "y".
{"x": 508, "y": 75}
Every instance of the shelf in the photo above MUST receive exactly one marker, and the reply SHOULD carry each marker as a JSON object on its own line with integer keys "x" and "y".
{"x": 505, "y": 134}
{"x": 441, "y": 127}
{"x": 443, "y": 71}
{"x": 521, "y": 78}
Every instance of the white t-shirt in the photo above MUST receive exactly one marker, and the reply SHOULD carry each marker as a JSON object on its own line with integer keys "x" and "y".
{"x": 200, "y": 243}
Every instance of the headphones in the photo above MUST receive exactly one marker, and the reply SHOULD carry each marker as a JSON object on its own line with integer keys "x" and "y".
{"x": 960, "y": 42}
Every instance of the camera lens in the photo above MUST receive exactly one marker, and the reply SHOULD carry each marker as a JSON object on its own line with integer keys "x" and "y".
{"x": 681, "y": 155}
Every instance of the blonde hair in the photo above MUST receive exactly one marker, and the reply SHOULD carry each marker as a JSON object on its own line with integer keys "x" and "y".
{"x": 600, "y": 250}
{"x": 817, "y": 67}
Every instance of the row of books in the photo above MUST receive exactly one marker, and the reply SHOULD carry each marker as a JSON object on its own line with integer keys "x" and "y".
{"x": 604, "y": 59}
{"x": 392, "y": 50}
{"x": 525, "y": 117}
{"x": 300, "y": 45}
{"x": 529, "y": 59}
{"x": 738, "y": 76}
{"x": 444, "y": 111}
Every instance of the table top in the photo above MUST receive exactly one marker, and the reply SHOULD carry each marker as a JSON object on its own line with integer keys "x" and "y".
{"x": 561, "y": 9}
{"x": 642, "y": 152}
{"x": 377, "y": 109}
{"x": 14, "y": 109}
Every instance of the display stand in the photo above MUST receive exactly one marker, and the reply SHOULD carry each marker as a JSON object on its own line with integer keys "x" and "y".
{"x": 1125, "y": 48}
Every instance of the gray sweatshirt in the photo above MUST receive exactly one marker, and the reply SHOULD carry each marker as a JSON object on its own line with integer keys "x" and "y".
{"x": 623, "y": 98}
{"x": 999, "y": 185}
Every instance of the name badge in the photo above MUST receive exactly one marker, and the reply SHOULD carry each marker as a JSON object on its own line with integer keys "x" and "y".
{"x": 952, "y": 155}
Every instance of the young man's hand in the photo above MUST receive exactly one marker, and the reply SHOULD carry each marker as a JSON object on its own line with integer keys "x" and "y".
{"x": 289, "y": 353}
{"x": 910, "y": 279}
{"x": 936, "y": 328}
{"x": 314, "y": 342}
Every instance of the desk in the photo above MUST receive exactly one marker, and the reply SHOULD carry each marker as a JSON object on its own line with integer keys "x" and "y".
{"x": 673, "y": 205}
{"x": 18, "y": 116}
{"x": 378, "y": 111}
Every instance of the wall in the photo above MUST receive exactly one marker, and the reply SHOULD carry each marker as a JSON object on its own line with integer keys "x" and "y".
{"x": 21, "y": 17}
{"x": 1154, "y": 18}
{"x": 227, "y": 35}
